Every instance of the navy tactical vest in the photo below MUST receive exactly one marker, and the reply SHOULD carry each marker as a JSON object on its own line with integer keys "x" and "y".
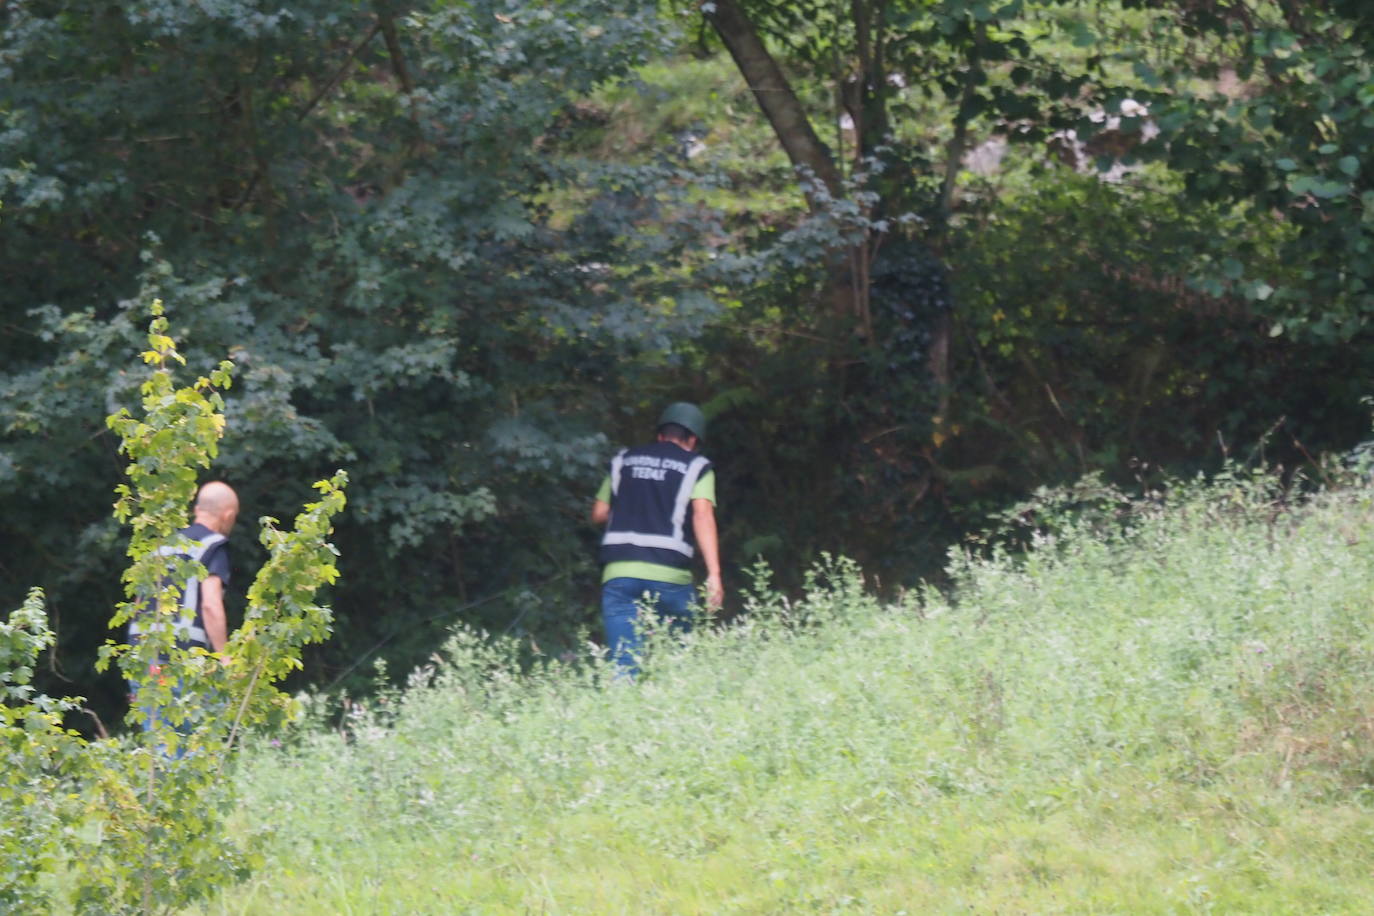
{"x": 651, "y": 492}
{"x": 189, "y": 625}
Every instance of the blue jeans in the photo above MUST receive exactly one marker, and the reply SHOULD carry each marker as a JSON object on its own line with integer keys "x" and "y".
{"x": 621, "y": 603}
{"x": 152, "y": 718}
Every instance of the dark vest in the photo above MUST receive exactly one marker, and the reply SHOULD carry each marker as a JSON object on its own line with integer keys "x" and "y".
{"x": 189, "y": 625}
{"x": 651, "y": 495}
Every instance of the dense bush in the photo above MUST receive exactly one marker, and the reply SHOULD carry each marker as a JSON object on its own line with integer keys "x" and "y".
{"x": 135, "y": 824}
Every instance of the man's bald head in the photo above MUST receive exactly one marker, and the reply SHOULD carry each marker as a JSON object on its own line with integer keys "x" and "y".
{"x": 217, "y": 506}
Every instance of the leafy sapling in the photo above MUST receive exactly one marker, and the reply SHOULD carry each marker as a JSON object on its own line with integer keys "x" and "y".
{"x": 160, "y": 798}
{"x": 37, "y": 805}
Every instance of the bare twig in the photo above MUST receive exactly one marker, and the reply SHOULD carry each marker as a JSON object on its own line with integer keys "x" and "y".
{"x": 238, "y": 717}
{"x": 324, "y": 90}
{"x": 99, "y": 725}
{"x": 393, "y": 49}
{"x": 339, "y": 75}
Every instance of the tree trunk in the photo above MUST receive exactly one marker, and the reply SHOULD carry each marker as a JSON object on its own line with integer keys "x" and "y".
{"x": 799, "y": 140}
{"x": 774, "y": 94}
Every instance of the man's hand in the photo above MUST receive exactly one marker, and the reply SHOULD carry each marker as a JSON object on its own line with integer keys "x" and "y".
{"x": 212, "y": 612}
{"x": 708, "y": 542}
{"x": 601, "y": 512}
{"x": 715, "y": 592}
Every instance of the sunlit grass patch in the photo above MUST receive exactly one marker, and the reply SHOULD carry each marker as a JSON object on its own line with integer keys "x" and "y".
{"x": 1165, "y": 712}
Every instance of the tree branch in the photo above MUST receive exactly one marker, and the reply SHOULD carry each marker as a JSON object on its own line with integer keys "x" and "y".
{"x": 341, "y": 72}
{"x": 310, "y": 106}
{"x": 387, "y": 22}
{"x": 773, "y": 92}
{"x": 957, "y": 143}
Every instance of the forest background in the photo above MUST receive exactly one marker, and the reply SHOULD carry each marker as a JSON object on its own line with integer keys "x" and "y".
{"x": 915, "y": 257}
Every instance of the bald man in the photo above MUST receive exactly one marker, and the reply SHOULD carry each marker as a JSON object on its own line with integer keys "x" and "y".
{"x": 216, "y": 510}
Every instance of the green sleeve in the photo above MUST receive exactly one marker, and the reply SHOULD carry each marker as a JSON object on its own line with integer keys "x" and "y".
{"x": 604, "y": 494}
{"x": 705, "y": 488}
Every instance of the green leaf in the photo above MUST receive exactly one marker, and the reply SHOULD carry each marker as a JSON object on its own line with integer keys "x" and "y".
{"x": 1329, "y": 188}
{"x": 1083, "y": 37}
{"x": 1301, "y": 184}
{"x": 1146, "y": 74}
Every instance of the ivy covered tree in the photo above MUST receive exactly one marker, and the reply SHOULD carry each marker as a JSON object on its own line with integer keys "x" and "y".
{"x": 879, "y": 105}
{"x": 990, "y": 321}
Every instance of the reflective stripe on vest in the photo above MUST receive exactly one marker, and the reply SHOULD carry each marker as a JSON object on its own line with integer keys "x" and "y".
{"x": 185, "y": 628}
{"x": 675, "y": 541}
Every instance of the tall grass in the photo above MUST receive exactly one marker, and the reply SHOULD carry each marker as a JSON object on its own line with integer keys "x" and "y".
{"x": 1163, "y": 707}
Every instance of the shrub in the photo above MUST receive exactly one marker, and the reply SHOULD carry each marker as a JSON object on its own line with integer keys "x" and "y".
{"x": 138, "y": 823}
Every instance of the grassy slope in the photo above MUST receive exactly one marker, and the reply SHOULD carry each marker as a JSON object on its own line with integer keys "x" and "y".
{"x": 1179, "y": 722}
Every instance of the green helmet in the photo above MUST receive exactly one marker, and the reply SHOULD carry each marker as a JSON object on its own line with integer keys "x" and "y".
{"x": 688, "y": 416}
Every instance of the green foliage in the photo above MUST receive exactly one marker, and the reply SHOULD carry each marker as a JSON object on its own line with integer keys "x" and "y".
{"x": 177, "y": 436}
{"x": 282, "y": 616}
{"x": 160, "y": 838}
{"x": 462, "y": 248}
{"x": 1274, "y": 119}
{"x": 399, "y": 244}
{"x": 161, "y": 802}
{"x": 997, "y": 63}
{"x": 1170, "y": 714}
{"x": 137, "y": 824}
{"x": 37, "y": 808}
{"x": 1165, "y": 307}
{"x": 1086, "y": 344}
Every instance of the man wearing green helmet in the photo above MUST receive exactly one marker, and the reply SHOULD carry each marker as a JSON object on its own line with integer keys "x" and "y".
{"x": 658, "y": 506}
